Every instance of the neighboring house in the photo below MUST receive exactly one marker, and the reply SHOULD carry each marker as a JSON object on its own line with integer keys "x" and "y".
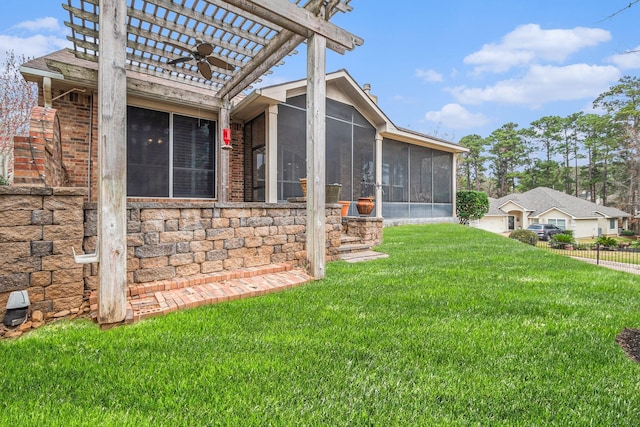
{"x": 547, "y": 206}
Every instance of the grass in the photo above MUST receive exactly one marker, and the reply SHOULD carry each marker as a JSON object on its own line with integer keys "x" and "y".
{"x": 457, "y": 327}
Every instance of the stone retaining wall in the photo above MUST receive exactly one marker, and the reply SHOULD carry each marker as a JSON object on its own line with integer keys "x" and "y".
{"x": 368, "y": 229}
{"x": 38, "y": 228}
{"x": 166, "y": 240}
{"x": 181, "y": 239}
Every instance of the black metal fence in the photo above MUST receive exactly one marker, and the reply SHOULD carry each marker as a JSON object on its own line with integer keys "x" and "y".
{"x": 624, "y": 256}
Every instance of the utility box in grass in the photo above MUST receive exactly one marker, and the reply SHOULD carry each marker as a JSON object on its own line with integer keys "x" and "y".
{"x": 17, "y": 309}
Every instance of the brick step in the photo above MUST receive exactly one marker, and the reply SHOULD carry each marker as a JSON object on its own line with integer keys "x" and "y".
{"x": 158, "y": 298}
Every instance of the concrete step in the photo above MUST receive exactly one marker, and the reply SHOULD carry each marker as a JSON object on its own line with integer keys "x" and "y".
{"x": 349, "y": 239}
{"x": 354, "y": 247}
{"x": 361, "y": 256}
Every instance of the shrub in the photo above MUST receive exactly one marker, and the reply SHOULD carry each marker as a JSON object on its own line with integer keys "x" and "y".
{"x": 607, "y": 242}
{"x": 568, "y": 233}
{"x": 471, "y": 205}
{"x": 525, "y": 236}
{"x": 561, "y": 241}
{"x": 628, "y": 233}
{"x": 3, "y": 180}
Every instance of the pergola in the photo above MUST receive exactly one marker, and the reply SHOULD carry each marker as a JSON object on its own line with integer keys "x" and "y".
{"x": 129, "y": 38}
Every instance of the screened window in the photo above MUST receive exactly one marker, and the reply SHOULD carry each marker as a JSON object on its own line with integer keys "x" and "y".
{"x": 255, "y": 159}
{"x": 417, "y": 182}
{"x": 350, "y": 145}
{"x": 169, "y": 155}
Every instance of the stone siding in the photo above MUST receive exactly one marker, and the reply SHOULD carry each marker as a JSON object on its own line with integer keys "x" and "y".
{"x": 180, "y": 239}
{"x": 368, "y": 229}
{"x": 38, "y": 228}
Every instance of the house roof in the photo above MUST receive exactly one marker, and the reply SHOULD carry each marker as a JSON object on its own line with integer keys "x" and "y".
{"x": 542, "y": 199}
{"x": 341, "y": 86}
{"x": 248, "y": 37}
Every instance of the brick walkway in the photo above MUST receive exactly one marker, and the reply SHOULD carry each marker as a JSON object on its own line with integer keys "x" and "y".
{"x": 157, "y": 298}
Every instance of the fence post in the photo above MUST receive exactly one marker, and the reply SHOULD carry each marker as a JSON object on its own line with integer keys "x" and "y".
{"x": 597, "y": 254}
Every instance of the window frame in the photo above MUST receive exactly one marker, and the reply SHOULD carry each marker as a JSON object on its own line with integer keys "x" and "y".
{"x": 170, "y": 167}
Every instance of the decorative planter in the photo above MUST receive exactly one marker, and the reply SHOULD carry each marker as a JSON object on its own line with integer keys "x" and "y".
{"x": 345, "y": 207}
{"x": 332, "y": 193}
{"x": 365, "y": 206}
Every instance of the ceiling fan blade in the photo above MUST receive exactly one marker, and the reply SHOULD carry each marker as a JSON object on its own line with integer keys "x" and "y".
{"x": 205, "y": 70}
{"x": 204, "y": 49}
{"x": 216, "y": 62}
{"x": 179, "y": 60}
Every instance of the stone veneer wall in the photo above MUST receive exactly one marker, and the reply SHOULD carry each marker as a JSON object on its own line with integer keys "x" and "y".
{"x": 369, "y": 229}
{"x": 38, "y": 228}
{"x": 181, "y": 239}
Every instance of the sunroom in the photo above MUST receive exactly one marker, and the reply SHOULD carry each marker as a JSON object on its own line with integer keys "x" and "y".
{"x": 410, "y": 175}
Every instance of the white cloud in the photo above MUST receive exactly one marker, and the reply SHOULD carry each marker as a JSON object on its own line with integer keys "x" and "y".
{"x": 529, "y": 43}
{"x": 47, "y": 24}
{"x": 629, "y": 60}
{"x": 543, "y": 84}
{"x": 456, "y": 116}
{"x": 429, "y": 76}
{"x": 34, "y": 46}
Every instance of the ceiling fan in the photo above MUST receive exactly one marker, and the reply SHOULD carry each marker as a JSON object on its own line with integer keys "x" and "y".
{"x": 203, "y": 59}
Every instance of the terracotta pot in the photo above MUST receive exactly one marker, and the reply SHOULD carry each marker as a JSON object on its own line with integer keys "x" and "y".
{"x": 365, "y": 206}
{"x": 303, "y": 184}
{"x": 345, "y": 207}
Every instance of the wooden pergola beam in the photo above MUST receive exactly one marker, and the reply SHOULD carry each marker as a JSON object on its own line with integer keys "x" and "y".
{"x": 300, "y": 21}
{"x": 139, "y": 84}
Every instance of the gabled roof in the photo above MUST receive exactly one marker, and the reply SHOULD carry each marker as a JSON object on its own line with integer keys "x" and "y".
{"x": 542, "y": 199}
{"x": 341, "y": 86}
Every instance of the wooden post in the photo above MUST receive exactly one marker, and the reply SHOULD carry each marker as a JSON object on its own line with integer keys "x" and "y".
{"x": 271, "y": 172}
{"x": 316, "y": 142}
{"x": 112, "y": 162}
{"x": 223, "y": 153}
{"x": 378, "y": 194}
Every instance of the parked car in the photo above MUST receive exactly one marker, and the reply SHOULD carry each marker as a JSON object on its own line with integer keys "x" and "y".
{"x": 545, "y": 231}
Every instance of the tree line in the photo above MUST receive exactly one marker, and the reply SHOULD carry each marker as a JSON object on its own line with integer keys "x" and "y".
{"x": 596, "y": 156}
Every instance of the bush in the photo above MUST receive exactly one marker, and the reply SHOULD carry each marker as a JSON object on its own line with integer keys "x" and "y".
{"x": 568, "y": 232}
{"x": 561, "y": 241}
{"x": 607, "y": 242}
{"x": 628, "y": 233}
{"x": 3, "y": 180}
{"x": 525, "y": 236}
{"x": 471, "y": 205}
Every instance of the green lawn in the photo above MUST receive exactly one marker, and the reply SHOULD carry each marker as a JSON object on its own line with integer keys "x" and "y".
{"x": 457, "y": 327}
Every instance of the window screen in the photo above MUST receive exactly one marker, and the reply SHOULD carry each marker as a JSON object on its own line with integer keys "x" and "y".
{"x": 152, "y": 171}
{"x": 147, "y": 153}
{"x": 193, "y": 157}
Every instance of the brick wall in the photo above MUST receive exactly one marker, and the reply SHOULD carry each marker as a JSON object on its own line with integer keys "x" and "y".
{"x": 38, "y": 228}
{"x": 38, "y": 159}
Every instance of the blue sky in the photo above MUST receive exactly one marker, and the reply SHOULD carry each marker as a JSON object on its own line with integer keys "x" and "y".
{"x": 444, "y": 68}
